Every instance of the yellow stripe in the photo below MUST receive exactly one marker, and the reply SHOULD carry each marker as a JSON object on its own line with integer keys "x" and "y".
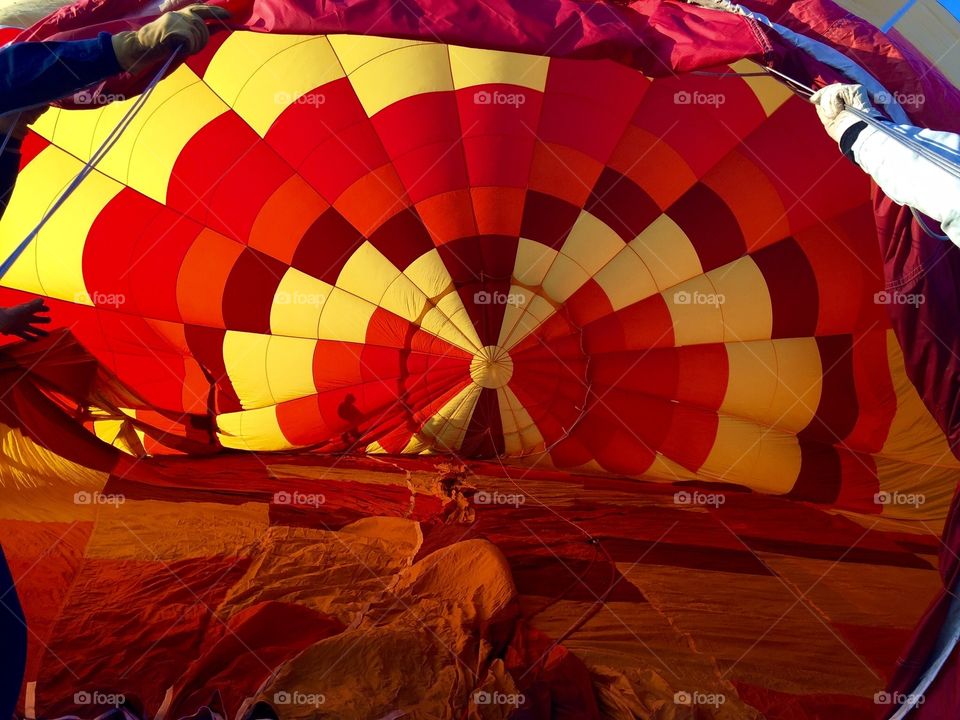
{"x": 145, "y": 154}
{"x": 252, "y": 430}
{"x": 52, "y": 264}
{"x": 757, "y": 457}
{"x": 480, "y": 67}
{"x": 446, "y": 430}
{"x": 261, "y": 74}
{"x": 392, "y": 76}
{"x": 774, "y": 382}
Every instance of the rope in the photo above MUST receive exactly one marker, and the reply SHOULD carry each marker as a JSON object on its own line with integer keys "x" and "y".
{"x": 89, "y": 166}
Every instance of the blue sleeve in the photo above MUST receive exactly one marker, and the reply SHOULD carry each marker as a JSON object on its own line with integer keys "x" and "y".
{"x": 34, "y": 73}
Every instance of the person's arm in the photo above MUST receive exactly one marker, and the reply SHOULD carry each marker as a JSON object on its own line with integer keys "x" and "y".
{"x": 37, "y": 73}
{"x": 904, "y": 175}
{"x": 907, "y": 177}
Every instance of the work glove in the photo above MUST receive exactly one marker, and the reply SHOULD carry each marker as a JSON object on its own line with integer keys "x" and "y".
{"x": 832, "y": 103}
{"x": 185, "y": 29}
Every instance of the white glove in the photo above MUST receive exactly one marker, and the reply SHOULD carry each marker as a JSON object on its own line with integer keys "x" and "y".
{"x": 832, "y": 103}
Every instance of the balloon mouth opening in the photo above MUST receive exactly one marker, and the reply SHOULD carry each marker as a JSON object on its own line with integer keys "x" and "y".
{"x": 491, "y": 367}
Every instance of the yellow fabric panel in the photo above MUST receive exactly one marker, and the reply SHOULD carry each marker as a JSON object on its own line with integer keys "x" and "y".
{"x": 144, "y": 156}
{"x": 591, "y": 243}
{"x": 58, "y": 249}
{"x": 774, "y": 382}
{"x": 770, "y": 92}
{"x": 532, "y": 262}
{"x": 667, "y": 253}
{"x": 533, "y": 313}
{"x": 24, "y": 465}
{"x": 245, "y": 359}
{"x": 695, "y": 310}
{"x": 564, "y": 278}
{"x": 290, "y": 367}
{"x": 261, "y": 74}
{"x": 449, "y": 320}
{"x": 520, "y": 433}
{"x": 626, "y": 280}
{"x": 746, "y": 308}
{"x": 400, "y": 74}
{"x": 403, "y": 298}
{"x": 663, "y": 468}
{"x": 914, "y": 435}
{"x": 356, "y": 50}
{"x": 909, "y": 492}
{"x": 446, "y": 429}
{"x": 367, "y": 274}
{"x": 297, "y": 305}
{"x": 479, "y": 67}
{"x": 256, "y": 429}
{"x": 345, "y": 317}
{"x": 757, "y": 457}
{"x": 152, "y": 530}
{"x": 429, "y": 274}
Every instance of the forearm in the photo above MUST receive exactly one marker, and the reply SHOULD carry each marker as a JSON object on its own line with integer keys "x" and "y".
{"x": 36, "y": 73}
{"x": 907, "y": 177}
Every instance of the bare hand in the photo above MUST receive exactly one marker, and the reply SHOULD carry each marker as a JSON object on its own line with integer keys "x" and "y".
{"x": 21, "y": 320}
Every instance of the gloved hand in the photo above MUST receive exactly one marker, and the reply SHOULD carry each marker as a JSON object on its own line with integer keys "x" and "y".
{"x": 155, "y": 41}
{"x": 832, "y": 102}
